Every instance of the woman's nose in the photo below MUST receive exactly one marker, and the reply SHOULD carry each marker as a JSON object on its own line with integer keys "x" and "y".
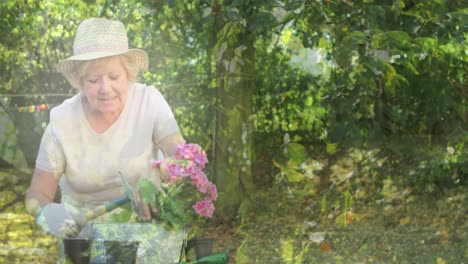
{"x": 104, "y": 85}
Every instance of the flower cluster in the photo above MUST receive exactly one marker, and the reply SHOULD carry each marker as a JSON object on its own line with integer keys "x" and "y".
{"x": 184, "y": 173}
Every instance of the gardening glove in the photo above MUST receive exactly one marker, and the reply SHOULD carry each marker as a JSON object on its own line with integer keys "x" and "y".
{"x": 61, "y": 220}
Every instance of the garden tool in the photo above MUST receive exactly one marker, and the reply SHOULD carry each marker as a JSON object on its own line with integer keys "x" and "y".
{"x": 55, "y": 218}
{"x": 107, "y": 207}
{"x": 63, "y": 220}
{"x": 114, "y": 204}
{"x": 218, "y": 258}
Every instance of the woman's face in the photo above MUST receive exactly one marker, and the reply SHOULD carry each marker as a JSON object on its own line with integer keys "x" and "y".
{"x": 105, "y": 85}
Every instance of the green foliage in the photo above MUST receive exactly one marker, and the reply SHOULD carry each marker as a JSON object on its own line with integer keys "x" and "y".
{"x": 392, "y": 76}
{"x": 169, "y": 207}
{"x": 286, "y": 99}
{"x": 124, "y": 216}
{"x": 291, "y": 172}
{"x": 323, "y": 204}
{"x": 296, "y": 152}
{"x": 425, "y": 168}
{"x": 37, "y": 35}
{"x": 439, "y": 168}
{"x": 148, "y": 190}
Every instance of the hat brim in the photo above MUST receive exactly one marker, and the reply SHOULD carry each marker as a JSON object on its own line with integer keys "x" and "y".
{"x": 140, "y": 57}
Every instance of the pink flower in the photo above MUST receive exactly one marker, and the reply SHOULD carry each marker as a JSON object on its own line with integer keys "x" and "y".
{"x": 201, "y": 159}
{"x": 204, "y": 208}
{"x": 188, "y": 165}
{"x": 201, "y": 181}
{"x": 156, "y": 163}
{"x": 186, "y": 151}
{"x": 176, "y": 170}
{"x": 192, "y": 152}
{"x": 192, "y": 168}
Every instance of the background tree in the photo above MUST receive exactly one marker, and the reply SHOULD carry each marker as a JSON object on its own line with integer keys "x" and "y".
{"x": 399, "y": 66}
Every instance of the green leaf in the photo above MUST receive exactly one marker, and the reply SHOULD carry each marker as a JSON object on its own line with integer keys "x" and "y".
{"x": 355, "y": 38}
{"x": 292, "y": 5}
{"x": 296, "y": 152}
{"x": 124, "y": 215}
{"x": 207, "y": 11}
{"x": 374, "y": 64}
{"x": 461, "y": 14}
{"x": 426, "y": 42}
{"x": 147, "y": 190}
{"x": 378, "y": 41}
{"x": 276, "y": 164}
{"x": 331, "y": 148}
{"x": 293, "y": 175}
{"x": 344, "y": 55}
{"x": 291, "y": 172}
{"x": 262, "y": 21}
{"x": 399, "y": 38}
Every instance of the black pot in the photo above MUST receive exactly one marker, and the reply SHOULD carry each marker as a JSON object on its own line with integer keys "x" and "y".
{"x": 123, "y": 252}
{"x": 203, "y": 246}
{"x": 77, "y": 251}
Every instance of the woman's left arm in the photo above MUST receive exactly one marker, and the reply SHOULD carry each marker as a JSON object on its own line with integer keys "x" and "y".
{"x": 168, "y": 144}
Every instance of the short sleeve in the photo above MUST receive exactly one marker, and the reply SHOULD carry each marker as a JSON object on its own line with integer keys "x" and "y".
{"x": 165, "y": 123}
{"x": 50, "y": 157}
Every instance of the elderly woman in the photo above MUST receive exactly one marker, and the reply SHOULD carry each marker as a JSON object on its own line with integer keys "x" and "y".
{"x": 112, "y": 125}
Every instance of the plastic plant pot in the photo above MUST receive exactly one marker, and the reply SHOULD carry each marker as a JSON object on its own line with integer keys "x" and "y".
{"x": 203, "y": 246}
{"x": 123, "y": 252}
{"x": 77, "y": 251}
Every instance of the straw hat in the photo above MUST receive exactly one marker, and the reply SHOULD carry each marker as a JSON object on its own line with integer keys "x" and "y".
{"x": 98, "y": 38}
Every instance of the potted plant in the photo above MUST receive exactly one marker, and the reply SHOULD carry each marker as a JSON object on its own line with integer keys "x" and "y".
{"x": 181, "y": 201}
{"x": 185, "y": 196}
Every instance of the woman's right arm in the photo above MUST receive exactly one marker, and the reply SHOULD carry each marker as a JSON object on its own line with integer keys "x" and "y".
{"x": 41, "y": 191}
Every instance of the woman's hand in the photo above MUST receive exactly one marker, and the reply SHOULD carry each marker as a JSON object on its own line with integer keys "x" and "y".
{"x": 142, "y": 208}
{"x": 61, "y": 220}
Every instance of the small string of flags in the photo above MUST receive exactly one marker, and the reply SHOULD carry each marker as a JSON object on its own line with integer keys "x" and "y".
{"x": 34, "y": 108}
{"x": 6, "y": 102}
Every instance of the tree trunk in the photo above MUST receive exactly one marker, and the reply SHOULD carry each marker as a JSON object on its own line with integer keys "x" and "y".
{"x": 233, "y": 161}
{"x": 234, "y": 135}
